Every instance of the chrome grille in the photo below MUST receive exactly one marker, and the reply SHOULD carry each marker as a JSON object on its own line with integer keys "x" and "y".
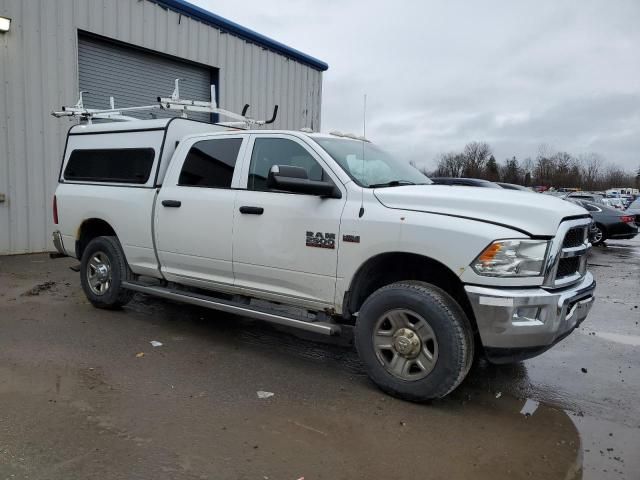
{"x": 568, "y": 267}
{"x": 567, "y": 262}
{"x": 574, "y": 237}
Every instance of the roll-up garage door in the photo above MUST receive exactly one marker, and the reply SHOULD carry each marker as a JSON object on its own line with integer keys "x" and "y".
{"x": 137, "y": 77}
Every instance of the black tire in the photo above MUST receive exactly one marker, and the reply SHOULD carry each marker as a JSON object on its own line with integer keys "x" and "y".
{"x": 598, "y": 232}
{"x": 113, "y": 295}
{"x": 453, "y": 339}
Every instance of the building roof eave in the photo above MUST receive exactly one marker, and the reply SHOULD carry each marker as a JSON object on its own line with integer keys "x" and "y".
{"x": 190, "y": 10}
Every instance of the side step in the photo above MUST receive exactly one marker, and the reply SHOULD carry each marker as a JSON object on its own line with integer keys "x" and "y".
{"x": 230, "y": 307}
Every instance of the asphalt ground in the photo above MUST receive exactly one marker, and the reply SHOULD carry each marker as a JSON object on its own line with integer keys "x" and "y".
{"x": 84, "y": 394}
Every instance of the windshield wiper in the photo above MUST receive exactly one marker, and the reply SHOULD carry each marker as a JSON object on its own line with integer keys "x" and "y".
{"x": 392, "y": 183}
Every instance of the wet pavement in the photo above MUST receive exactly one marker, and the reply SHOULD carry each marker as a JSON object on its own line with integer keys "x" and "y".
{"x": 83, "y": 394}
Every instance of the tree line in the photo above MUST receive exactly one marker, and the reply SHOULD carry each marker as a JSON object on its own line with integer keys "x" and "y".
{"x": 549, "y": 168}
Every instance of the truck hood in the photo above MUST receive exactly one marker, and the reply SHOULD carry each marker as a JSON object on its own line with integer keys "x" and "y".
{"x": 531, "y": 213}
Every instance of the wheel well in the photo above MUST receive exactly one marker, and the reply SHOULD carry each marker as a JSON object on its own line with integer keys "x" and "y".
{"x": 90, "y": 229}
{"x": 388, "y": 268}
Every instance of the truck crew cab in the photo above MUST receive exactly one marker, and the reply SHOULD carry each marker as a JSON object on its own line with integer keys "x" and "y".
{"x": 250, "y": 221}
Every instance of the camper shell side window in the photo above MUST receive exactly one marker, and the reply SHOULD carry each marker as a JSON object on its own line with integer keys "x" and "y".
{"x": 112, "y": 165}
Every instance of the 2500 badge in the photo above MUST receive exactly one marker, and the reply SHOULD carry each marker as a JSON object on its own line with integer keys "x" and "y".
{"x": 321, "y": 240}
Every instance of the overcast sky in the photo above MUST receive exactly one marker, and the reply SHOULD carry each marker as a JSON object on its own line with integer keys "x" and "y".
{"x": 439, "y": 74}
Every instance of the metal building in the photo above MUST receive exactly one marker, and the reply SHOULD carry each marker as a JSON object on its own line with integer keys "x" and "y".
{"x": 133, "y": 50}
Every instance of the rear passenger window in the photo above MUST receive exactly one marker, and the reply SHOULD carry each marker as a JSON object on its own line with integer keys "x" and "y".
{"x": 115, "y": 165}
{"x": 210, "y": 163}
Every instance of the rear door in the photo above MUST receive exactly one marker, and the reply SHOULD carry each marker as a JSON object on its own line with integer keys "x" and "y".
{"x": 195, "y": 209}
{"x": 286, "y": 244}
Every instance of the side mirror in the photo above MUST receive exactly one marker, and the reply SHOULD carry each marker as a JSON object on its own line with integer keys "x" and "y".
{"x": 287, "y": 178}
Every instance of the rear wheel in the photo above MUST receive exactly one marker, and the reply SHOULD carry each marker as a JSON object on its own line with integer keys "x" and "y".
{"x": 415, "y": 341}
{"x": 103, "y": 268}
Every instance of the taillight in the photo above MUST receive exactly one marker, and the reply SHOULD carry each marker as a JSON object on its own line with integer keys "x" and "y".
{"x": 55, "y": 210}
{"x": 627, "y": 218}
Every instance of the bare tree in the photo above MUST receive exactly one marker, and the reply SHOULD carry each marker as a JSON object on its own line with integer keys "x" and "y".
{"x": 476, "y": 155}
{"x": 450, "y": 165}
{"x": 553, "y": 169}
{"x": 562, "y": 164}
{"x": 544, "y": 171}
{"x": 591, "y": 168}
{"x": 527, "y": 165}
{"x": 544, "y": 151}
{"x": 614, "y": 176}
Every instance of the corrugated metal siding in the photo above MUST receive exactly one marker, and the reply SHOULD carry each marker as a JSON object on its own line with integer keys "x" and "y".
{"x": 137, "y": 77}
{"x": 39, "y": 73}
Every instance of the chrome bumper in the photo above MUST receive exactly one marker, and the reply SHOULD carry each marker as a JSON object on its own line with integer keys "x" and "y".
{"x": 529, "y": 318}
{"x": 57, "y": 242}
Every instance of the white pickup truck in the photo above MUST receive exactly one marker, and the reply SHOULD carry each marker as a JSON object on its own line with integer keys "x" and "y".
{"x": 324, "y": 233}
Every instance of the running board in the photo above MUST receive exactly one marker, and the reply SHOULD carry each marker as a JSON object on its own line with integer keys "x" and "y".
{"x": 230, "y": 307}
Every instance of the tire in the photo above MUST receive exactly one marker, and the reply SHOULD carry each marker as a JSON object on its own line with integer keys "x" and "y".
{"x": 598, "y": 234}
{"x": 422, "y": 371}
{"x": 103, "y": 268}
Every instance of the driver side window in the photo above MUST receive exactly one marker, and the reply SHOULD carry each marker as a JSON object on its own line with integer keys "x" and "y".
{"x": 279, "y": 151}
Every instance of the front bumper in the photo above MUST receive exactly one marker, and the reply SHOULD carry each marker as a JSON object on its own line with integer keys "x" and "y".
{"x": 520, "y": 323}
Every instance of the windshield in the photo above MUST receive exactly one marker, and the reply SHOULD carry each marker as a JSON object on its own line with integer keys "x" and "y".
{"x": 369, "y": 166}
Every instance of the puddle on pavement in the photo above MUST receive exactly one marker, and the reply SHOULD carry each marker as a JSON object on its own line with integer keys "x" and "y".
{"x": 478, "y": 435}
{"x": 632, "y": 340}
{"x": 58, "y": 383}
{"x": 621, "y": 250}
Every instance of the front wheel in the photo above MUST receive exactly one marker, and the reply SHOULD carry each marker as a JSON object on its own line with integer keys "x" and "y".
{"x": 415, "y": 341}
{"x": 597, "y": 234}
{"x": 103, "y": 268}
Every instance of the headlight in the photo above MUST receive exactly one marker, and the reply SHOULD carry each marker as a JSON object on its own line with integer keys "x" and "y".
{"x": 512, "y": 258}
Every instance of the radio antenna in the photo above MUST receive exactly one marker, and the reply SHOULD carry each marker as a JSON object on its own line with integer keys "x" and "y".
{"x": 364, "y": 117}
{"x": 364, "y": 135}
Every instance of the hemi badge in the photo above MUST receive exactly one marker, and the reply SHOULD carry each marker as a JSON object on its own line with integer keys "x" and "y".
{"x": 351, "y": 238}
{"x": 496, "y": 301}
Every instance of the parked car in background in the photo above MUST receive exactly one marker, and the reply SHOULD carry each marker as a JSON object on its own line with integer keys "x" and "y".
{"x": 608, "y": 223}
{"x": 627, "y": 200}
{"x": 465, "y": 182}
{"x": 588, "y": 197}
{"x": 634, "y": 209}
{"x": 616, "y": 203}
{"x": 513, "y": 186}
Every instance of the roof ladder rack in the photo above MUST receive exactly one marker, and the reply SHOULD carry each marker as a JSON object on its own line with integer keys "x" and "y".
{"x": 170, "y": 103}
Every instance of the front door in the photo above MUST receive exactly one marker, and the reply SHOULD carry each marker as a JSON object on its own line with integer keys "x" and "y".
{"x": 195, "y": 210}
{"x": 286, "y": 244}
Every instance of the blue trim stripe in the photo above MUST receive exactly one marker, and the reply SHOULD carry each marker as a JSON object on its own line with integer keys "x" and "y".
{"x": 225, "y": 25}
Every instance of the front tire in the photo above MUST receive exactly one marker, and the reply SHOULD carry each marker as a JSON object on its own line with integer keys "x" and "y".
{"x": 103, "y": 268}
{"x": 598, "y": 234}
{"x": 415, "y": 341}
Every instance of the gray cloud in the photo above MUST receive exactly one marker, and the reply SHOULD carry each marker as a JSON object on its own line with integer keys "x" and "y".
{"x": 440, "y": 74}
